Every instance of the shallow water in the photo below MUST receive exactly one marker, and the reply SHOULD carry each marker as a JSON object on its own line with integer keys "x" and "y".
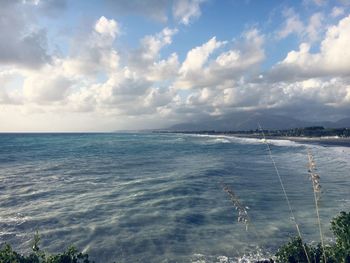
{"x": 158, "y": 197}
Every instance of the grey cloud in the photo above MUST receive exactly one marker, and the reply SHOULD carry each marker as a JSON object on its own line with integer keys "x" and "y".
{"x": 51, "y": 8}
{"x": 18, "y": 44}
{"x": 156, "y": 9}
{"x": 184, "y": 11}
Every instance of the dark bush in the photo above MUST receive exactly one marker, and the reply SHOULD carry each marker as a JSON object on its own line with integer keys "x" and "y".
{"x": 339, "y": 252}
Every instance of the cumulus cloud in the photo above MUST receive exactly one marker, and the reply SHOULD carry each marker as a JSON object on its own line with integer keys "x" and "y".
{"x": 10, "y": 93}
{"x": 50, "y": 88}
{"x": 96, "y": 53}
{"x": 147, "y": 58}
{"x": 215, "y": 78}
{"x": 151, "y": 45}
{"x": 333, "y": 59}
{"x": 198, "y": 56}
{"x": 293, "y": 24}
{"x": 19, "y": 43}
{"x": 187, "y": 10}
{"x": 164, "y": 69}
{"x": 130, "y": 88}
{"x": 197, "y": 71}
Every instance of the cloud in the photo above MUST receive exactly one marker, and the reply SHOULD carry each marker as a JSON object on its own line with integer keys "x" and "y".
{"x": 109, "y": 29}
{"x": 164, "y": 69}
{"x": 294, "y": 25}
{"x": 153, "y": 85}
{"x": 319, "y": 2}
{"x": 10, "y": 94}
{"x": 50, "y": 8}
{"x": 337, "y": 11}
{"x": 333, "y": 59}
{"x": 151, "y": 45}
{"x": 50, "y": 88}
{"x": 183, "y": 11}
{"x": 147, "y": 60}
{"x": 313, "y": 29}
{"x": 156, "y": 9}
{"x": 96, "y": 53}
{"x": 197, "y": 57}
{"x": 20, "y": 44}
{"x": 186, "y": 11}
{"x": 197, "y": 71}
{"x": 47, "y": 87}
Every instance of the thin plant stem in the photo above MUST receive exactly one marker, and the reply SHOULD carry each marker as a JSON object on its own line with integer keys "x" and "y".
{"x": 316, "y": 189}
{"x": 243, "y": 216}
{"x": 285, "y": 194}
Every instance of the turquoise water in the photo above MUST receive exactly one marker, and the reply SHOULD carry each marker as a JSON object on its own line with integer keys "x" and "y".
{"x": 158, "y": 197}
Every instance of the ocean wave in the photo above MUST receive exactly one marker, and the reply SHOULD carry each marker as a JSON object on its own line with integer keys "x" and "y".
{"x": 16, "y": 219}
{"x": 212, "y": 139}
{"x": 245, "y": 258}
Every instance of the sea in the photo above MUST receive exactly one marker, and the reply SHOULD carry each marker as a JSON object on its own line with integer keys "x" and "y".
{"x": 152, "y": 197}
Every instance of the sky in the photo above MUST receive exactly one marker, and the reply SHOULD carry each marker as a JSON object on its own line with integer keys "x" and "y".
{"x": 105, "y": 65}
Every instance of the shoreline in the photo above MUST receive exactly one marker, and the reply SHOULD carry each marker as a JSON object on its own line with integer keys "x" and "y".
{"x": 325, "y": 141}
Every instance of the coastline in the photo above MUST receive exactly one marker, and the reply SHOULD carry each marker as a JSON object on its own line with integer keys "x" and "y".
{"x": 325, "y": 141}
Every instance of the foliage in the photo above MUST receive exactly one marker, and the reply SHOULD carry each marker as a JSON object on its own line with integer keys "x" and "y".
{"x": 293, "y": 252}
{"x": 71, "y": 255}
{"x": 340, "y": 226}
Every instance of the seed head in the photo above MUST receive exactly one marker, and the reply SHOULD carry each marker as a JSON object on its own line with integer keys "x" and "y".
{"x": 242, "y": 210}
{"x": 313, "y": 176}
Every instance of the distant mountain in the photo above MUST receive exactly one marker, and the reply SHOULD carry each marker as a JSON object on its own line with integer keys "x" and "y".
{"x": 343, "y": 123}
{"x": 251, "y": 121}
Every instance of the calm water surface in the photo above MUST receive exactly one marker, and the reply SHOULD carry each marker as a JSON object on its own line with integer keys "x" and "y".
{"x": 158, "y": 198}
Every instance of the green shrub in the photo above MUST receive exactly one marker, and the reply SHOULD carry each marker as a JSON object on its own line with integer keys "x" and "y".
{"x": 340, "y": 226}
{"x": 71, "y": 255}
{"x": 339, "y": 252}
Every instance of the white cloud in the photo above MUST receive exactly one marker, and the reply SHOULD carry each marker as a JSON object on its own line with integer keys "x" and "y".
{"x": 198, "y": 56}
{"x": 164, "y": 69}
{"x": 146, "y": 60}
{"x": 97, "y": 53}
{"x": 332, "y": 60}
{"x": 186, "y": 11}
{"x": 142, "y": 86}
{"x": 337, "y": 11}
{"x": 294, "y": 25}
{"x": 8, "y": 93}
{"x": 151, "y": 45}
{"x": 108, "y": 28}
{"x": 313, "y": 29}
{"x": 45, "y": 87}
{"x": 197, "y": 71}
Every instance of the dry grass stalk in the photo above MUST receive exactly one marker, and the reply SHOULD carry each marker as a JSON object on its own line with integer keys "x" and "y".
{"x": 315, "y": 179}
{"x": 242, "y": 210}
{"x": 284, "y": 192}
